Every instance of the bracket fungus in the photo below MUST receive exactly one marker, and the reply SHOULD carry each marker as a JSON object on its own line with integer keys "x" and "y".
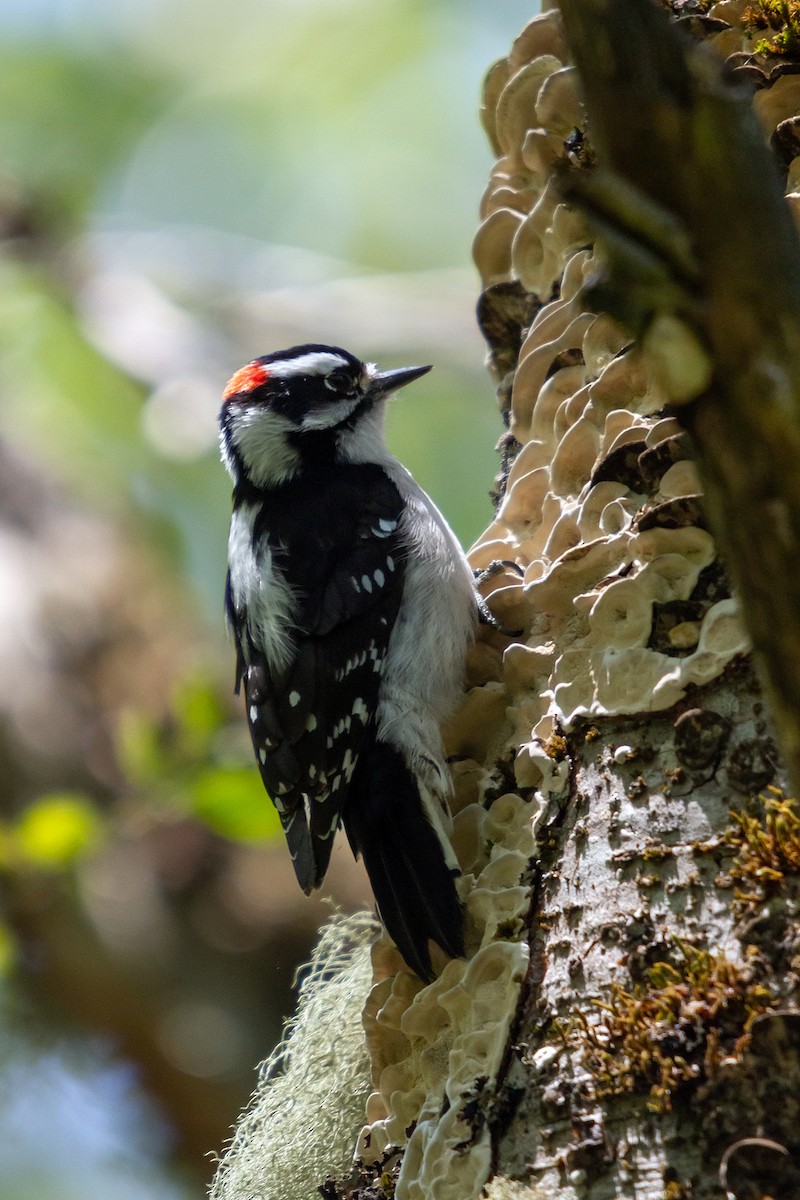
{"x": 434, "y": 1049}
{"x": 595, "y": 459}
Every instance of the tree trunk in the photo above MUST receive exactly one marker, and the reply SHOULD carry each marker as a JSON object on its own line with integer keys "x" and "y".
{"x": 626, "y": 1023}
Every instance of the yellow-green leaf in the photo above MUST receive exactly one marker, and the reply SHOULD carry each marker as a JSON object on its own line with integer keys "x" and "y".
{"x": 8, "y": 949}
{"x": 138, "y": 747}
{"x": 56, "y": 830}
{"x": 233, "y": 802}
{"x": 199, "y": 712}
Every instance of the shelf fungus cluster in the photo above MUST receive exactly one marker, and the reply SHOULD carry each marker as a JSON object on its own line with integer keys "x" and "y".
{"x": 611, "y": 570}
{"x": 436, "y": 1051}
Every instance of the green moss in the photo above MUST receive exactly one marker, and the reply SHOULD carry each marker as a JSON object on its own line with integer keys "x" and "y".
{"x": 556, "y": 747}
{"x": 672, "y": 1029}
{"x": 766, "y": 841}
{"x": 674, "y": 1189}
{"x": 657, "y": 853}
{"x": 779, "y": 20}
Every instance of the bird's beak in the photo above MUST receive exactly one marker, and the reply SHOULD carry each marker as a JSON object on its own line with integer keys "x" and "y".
{"x": 384, "y": 382}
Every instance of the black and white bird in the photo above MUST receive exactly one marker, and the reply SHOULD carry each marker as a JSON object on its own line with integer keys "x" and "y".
{"x": 352, "y": 607}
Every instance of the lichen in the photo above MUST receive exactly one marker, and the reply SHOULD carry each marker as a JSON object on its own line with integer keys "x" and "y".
{"x": 303, "y": 1119}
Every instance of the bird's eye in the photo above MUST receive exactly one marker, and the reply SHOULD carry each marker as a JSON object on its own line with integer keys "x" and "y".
{"x": 341, "y": 382}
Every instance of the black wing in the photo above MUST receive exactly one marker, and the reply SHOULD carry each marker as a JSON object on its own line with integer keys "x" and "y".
{"x": 337, "y": 545}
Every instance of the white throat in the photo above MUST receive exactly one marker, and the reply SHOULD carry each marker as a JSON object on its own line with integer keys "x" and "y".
{"x": 367, "y": 441}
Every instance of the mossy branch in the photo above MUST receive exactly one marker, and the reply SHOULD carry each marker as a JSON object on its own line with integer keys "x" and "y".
{"x": 703, "y": 261}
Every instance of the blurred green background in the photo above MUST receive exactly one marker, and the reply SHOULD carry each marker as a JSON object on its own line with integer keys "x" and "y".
{"x": 185, "y": 185}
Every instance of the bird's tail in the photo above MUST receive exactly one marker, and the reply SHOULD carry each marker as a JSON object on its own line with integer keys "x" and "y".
{"x": 405, "y": 858}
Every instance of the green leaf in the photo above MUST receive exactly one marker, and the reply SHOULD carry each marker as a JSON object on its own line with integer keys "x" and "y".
{"x": 139, "y": 748}
{"x": 67, "y": 119}
{"x": 56, "y": 830}
{"x": 8, "y": 949}
{"x": 199, "y": 712}
{"x": 232, "y": 801}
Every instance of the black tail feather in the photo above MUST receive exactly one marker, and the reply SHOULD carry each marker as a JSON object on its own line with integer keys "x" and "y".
{"x": 301, "y": 848}
{"x": 413, "y": 885}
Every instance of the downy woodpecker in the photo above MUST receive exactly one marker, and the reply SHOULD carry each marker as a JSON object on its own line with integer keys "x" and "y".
{"x": 352, "y": 607}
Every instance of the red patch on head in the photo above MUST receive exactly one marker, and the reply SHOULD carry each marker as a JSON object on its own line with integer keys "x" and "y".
{"x": 246, "y": 379}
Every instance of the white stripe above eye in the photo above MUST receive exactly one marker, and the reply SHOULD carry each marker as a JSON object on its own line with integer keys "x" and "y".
{"x": 317, "y": 363}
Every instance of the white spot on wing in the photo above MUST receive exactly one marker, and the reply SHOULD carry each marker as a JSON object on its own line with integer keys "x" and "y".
{"x": 311, "y": 723}
{"x": 379, "y": 578}
{"x": 253, "y": 713}
{"x": 262, "y": 754}
{"x": 294, "y": 699}
{"x": 390, "y": 562}
{"x": 366, "y": 583}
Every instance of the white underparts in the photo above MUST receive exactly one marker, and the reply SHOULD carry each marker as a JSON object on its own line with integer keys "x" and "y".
{"x": 259, "y": 588}
{"x": 423, "y": 672}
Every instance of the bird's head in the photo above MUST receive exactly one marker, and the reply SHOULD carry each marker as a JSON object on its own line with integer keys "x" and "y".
{"x": 299, "y": 404}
